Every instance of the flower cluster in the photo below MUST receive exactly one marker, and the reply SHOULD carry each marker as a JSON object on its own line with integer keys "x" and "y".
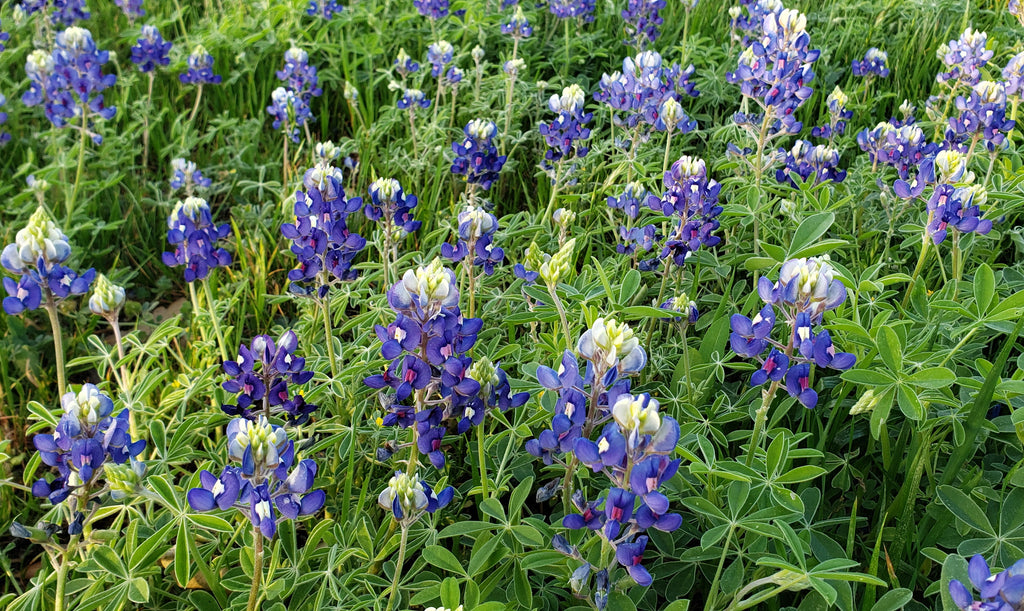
{"x": 684, "y": 305}
{"x": 752, "y": 21}
{"x": 412, "y": 98}
{"x": 289, "y": 112}
{"x": 132, "y": 9}
{"x": 191, "y": 230}
{"x": 518, "y": 27}
{"x": 838, "y": 116}
{"x": 807, "y": 160}
{"x": 405, "y": 65}
{"x": 476, "y": 157}
{"x": 69, "y": 81}
{"x": 439, "y": 55}
{"x": 806, "y": 289}
{"x": 433, "y": 9}
{"x": 573, "y": 9}
{"x": 430, "y": 375}
{"x": 407, "y": 497}
{"x": 1003, "y": 591}
{"x": 643, "y": 85}
{"x": 200, "y": 69}
{"x": 62, "y": 12}
{"x": 642, "y": 21}
{"x": 37, "y": 257}
{"x": 262, "y": 482}
{"x": 391, "y": 207}
{"x": 983, "y": 115}
{"x": 874, "y": 63}
{"x": 565, "y": 134}
{"x": 692, "y": 198}
{"x": 107, "y": 298}
{"x": 87, "y": 437}
{"x": 299, "y": 76}
{"x": 956, "y": 208}
{"x": 151, "y": 50}
{"x": 321, "y": 238}
{"x": 187, "y": 176}
{"x": 1013, "y": 72}
{"x": 964, "y": 58}
{"x": 775, "y": 71}
{"x": 904, "y": 147}
{"x": 290, "y": 105}
{"x": 476, "y": 237}
{"x": 260, "y": 378}
{"x": 324, "y": 8}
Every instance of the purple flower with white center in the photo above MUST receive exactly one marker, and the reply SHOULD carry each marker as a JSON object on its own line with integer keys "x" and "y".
{"x": 36, "y": 258}
{"x": 983, "y": 115}
{"x": 69, "y": 83}
{"x": 632, "y": 198}
{"x": 640, "y": 89}
{"x": 571, "y": 9}
{"x": 964, "y": 59}
{"x": 807, "y": 160}
{"x": 1017, "y": 10}
{"x": 1003, "y": 591}
{"x": 260, "y": 378}
{"x": 289, "y": 111}
{"x": 408, "y": 497}
{"x": 299, "y": 76}
{"x": 405, "y": 65}
{"x": 187, "y": 176}
{"x": 642, "y": 22}
{"x": 62, "y": 12}
{"x": 391, "y": 207}
{"x": 190, "y": 229}
{"x": 904, "y": 147}
{"x": 132, "y": 9}
{"x": 692, "y": 198}
{"x": 1013, "y": 73}
{"x": 200, "y": 69}
{"x": 324, "y": 8}
{"x": 439, "y": 55}
{"x": 838, "y": 116}
{"x": 412, "y": 98}
{"x": 321, "y": 239}
{"x": 433, "y": 9}
{"x": 150, "y": 50}
{"x": 87, "y": 437}
{"x": 476, "y": 157}
{"x": 265, "y": 487}
{"x": 476, "y": 238}
{"x": 630, "y": 555}
{"x": 958, "y": 209}
{"x": 875, "y": 63}
{"x": 684, "y": 305}
{"x": 565, "y": 134}
{"x": 518, "y": 27}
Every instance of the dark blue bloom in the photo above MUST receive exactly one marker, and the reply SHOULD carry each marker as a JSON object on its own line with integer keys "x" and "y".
{"x": 518, "y": 26}
{"x": 964, "y": 58}
{"x": 642, "y": 21}
{"x": 151, "y": 50}
{"x": 200, "y": 69}
{"x": 190, "y": 229}
{"x": 639, "y": 91}
{"x": 874, "y": 63}
{"x": 131, "y": 8}
{"x": 569, "y": 9}
{"x": 187, "y": 176}
{"x": 476, "y": 157}
{"x": 260, "y": 378}
{"x": 630, "y": 555}
{"x": 434, "y": 9}
{"x": 324, "y": 8}
{"x": 808, "y": 161}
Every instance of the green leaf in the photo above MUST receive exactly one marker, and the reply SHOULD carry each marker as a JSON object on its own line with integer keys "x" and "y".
{"x": 450, "y": 593}
{"x": 138, "y": 590}
{"x": 964, "y": 508}
{"x": 110, "y": 561}
{"x": 150, "y": 549}
{"x": 890, "y": 349}
{"x": 442, "y": 559}
{"x": 493, "y": 508}
{"x": 523, "y": 590}
{"x": 518, "y": 496}
{"x": 181, "y": 559}
{"x": 165, "y": 490}
{"x": 630, "y": 284}
{"x": 933, "y": 377}
{"x": 463, "y": 528}
{"x": 812, "y": 228}
{"x": 868, "y": 377}
{"x": 800, "y": 474}
{"x": 211, "y": 522}
{"x": 678, "y": 605}
{"x": 984, "y": 287}
{"x": 910, "y": 404}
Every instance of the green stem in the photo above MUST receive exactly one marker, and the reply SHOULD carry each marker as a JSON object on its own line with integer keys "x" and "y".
{"x": 116, "y": 326}
{"x": 257, "y": 568}
{"x": 325, "y": 305}
{"x": 686, "y": 365}
{"x": 62, "y": 575}
{"x": 213, "y": 319}
{"x": 710, "y": 603}
{"x": 566, "y": 73}
{"x": 195, "y": 107}
{"x": 398, "y": 569}
{"x": 958, "y": 264}
{"x": 760, "y": 419}
{"x": 668, "y": 144}
{"x": 58, "y": 341}
{"x": 925, "y": 241}
{"x": 81, "y": 166}
{"x": 481, "y": 454}
{"x": 561, "y": 315}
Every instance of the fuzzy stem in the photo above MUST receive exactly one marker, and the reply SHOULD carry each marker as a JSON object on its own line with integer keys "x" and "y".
{"x": 195, "y": 107}
{"x": 62, "y": 575}
{"x": 58, "y": 340}
{"x": 561, "y": 314}
{"x": 392, "y": 598}
{"x": 481, "y": 455}
{"x": 116, "y": 326}
{"x": 958, "y": 263}
{"x": 81, "y": 166}
{"x": 709, "y": 604}
{"x": 257, "y": 568}
{"x": 325, "y": 305}
{"x": 760, "y": 419}
{"x": 145, "y": 118}
{"x": 686, "y": 365}
{"x": 668, "y": 144}
{"x": 213, "y": 319}
{"x": 920, "y": 263}
{"x": 566, "y": 73}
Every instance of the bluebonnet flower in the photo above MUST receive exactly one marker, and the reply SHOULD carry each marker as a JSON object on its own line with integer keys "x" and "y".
{"x": 476, "y": 157}
{"x": 405, "y": 65}
{"x": 806, "y": 289}
{"x": 61, "y": 12}
{"x": 476, "y": 240}
{"x": 107, "y": 298}
{"x": 692, "y": 198}
{"x": 570, "y": 9}
{"x": 775, "y": 71}
{"x": 529, "y": 269}
{"x": 1017, "y": 10}
{"x": 685, "y": 306}
{"x": 37, "y": 258}
{"x": 200, "y": 69}
{"x": 452, "y": 77}
{"x": 427, "y": 345}
{"x": 642, "y": 21}
{"x": 565, "y": 134}
{"x": 187, "y": 176}
{"x": 983, "y": 115}
{"x": 321, "y": 239}
{"x": 190, "y": 229}
{"x": 643, "y": 85}
{"x": 151, "y": 50}
{"x": 69, "y": 82}
{"x": 260, "y": 378}
{"x": 439, "y": 55}
{"x": 874, "y": 63}
{"x": 264, "y": 480}
{"x": 1003, "y": 591}
{"x": 390, "y": 206}
{"x": 1013, "y": 73}
{"x": 518, "y": 27}
{"x": 87, "y": 437}
{"x": 838, "y": 116}
{"x": 131, "y": 8}
{"x": 514, "y": 67}
{"x": 5, "y": 137}
{"x": 433, "y": 9}
{"x": 299, "y": 76}
{"x": 956, "y": 208}
{"x": 632, "y": 198}
{"x": 289, "y": 111}
{"x": 950, "y": 167}
{"x": 807, "y": 160}
{"x": 407, "y": 497}
{"x": 904, "y": 147}
{"x": 4, "y": 37}
{"x": 324, "y": 8}
{"x": 412, "y": 98}
{"x": 964, "y": 59}
{"x": 670, "y": 115}
{"x": 752, "y": 21}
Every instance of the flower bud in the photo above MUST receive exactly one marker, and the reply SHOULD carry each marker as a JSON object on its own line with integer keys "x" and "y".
{"x": 865, "y": 404}
{"x": 637, "y": 413}
{"x": 125, "y": 479}
{"x": 89, "y": 406}
{"x": 107, "y": 298}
